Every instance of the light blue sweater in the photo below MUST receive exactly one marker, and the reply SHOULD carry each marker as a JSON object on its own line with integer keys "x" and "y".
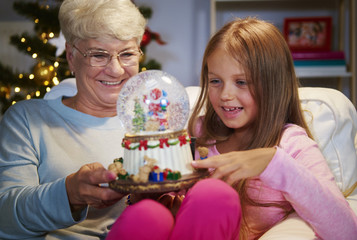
{"x": 43, "y": 141}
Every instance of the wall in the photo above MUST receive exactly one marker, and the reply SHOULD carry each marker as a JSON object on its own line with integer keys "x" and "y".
{"x": 184, "y": 25}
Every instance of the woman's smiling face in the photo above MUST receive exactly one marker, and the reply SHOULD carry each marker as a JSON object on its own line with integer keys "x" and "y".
{"x": 99, "y": 87}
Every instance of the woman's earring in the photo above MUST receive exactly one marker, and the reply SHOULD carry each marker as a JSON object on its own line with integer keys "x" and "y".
{"x": 72, "y": 73}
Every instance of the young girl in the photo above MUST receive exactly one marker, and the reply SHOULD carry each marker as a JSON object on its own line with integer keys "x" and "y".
{"x": 257, "y": 137}
{"x": 258, "y": 143}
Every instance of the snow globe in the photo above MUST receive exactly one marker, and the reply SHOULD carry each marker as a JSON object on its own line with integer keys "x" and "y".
{"x": 154, "y": 108}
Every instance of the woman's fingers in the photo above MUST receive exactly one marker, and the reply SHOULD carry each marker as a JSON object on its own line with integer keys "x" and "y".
{"x": 83, "y": 187}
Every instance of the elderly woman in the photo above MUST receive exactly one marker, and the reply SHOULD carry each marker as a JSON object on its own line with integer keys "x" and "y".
{"x": 54, "y": 153}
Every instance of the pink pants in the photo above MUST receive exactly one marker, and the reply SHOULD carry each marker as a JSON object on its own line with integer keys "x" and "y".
{"x": 210, "y": 210}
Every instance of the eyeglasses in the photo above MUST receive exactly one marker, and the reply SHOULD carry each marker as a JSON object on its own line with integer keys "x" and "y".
{"x": 101, "y": 58}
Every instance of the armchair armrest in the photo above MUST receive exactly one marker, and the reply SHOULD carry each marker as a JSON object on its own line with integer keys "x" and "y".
{"x": 292, "y": 228}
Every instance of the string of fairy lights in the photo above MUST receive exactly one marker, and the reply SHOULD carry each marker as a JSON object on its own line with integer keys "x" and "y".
{"x": 45, "y": 71}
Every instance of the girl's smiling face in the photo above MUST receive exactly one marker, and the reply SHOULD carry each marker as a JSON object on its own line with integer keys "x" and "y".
{"x": 228, "y": 91}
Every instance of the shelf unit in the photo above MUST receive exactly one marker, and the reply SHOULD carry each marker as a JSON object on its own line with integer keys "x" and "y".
{"x": 343, "y": 7}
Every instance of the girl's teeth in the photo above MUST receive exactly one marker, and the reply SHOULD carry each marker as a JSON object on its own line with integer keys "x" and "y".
{"x": 233, "y": 109}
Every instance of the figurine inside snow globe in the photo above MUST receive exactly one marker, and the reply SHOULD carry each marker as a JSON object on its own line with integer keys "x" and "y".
{"x": 151, "y": 102}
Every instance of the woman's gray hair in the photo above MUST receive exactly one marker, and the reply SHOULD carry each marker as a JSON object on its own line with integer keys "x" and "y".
{"x": 92, "y": 19}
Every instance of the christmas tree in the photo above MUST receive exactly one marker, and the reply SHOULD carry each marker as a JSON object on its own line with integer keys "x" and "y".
{"x": 139, "y": 117}
{"x": 46, "y": 46}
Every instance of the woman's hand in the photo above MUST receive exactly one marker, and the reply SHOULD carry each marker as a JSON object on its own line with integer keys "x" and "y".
{"x": 83, "y": 187}
{"x": 234, "y": 166}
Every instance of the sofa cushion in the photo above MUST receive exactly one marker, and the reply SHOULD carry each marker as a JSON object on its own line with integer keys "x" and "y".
{"x": 67, "y": 87}
{"x": 332, "y": 119}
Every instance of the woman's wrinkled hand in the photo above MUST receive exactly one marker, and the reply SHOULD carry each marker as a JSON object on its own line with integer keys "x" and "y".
{"x": 83, "y": 187}
{"x": 237, "y": 165}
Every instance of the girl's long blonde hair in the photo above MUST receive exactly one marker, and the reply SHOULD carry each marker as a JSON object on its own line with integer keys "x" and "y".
{"x": 261, "y": 50}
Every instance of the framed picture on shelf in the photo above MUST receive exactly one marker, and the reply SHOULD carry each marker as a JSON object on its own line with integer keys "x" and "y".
{"x": 308, "y": 33}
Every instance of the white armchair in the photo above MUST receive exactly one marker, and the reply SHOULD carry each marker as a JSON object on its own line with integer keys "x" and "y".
{"x": 332, "y": 119}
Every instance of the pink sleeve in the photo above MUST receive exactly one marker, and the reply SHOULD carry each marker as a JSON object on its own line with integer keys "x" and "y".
{"x": 300, "y": 171}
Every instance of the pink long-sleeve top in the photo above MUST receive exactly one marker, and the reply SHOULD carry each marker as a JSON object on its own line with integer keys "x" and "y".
{"x": 298, "y": 177}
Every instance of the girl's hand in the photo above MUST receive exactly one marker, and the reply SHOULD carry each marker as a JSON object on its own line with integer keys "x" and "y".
{"x": 83, "y": 187}
{"x": 237, "y": 165}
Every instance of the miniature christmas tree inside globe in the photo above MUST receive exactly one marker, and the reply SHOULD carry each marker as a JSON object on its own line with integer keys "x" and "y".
{"x": 152, "y": 102}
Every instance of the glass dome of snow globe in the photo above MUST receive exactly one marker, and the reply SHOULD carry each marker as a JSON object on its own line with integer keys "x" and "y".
{"x": 153, "y": 102}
